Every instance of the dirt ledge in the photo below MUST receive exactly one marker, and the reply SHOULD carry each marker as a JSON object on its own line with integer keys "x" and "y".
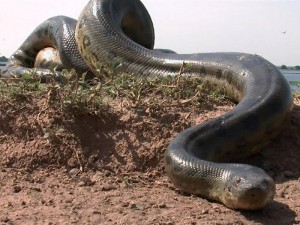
{"x": 63, "y": 169}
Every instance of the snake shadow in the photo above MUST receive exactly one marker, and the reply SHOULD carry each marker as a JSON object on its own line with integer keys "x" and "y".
{"x": 284, "y": 154}
{"x": 281, "y": 157}
{"x": 281, "y": 160}
{"x": 275, "y": 214}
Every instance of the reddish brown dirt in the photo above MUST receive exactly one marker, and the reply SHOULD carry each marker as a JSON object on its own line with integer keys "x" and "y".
{"x": 59, "y": 168}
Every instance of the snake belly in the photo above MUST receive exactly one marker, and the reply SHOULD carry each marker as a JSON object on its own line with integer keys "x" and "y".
{"x": 199, "y": 160}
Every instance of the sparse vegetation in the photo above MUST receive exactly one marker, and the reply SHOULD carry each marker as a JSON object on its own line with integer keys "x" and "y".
{"x": 79, "y": 96}
{"x": 283, "y": 67}
{"x": 295, "y": 83}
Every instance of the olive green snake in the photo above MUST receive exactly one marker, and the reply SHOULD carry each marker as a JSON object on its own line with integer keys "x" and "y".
{"x": 199, "y": 159}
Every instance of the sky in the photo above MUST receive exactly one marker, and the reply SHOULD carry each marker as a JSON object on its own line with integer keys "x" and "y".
{"x": 270, "y": 28}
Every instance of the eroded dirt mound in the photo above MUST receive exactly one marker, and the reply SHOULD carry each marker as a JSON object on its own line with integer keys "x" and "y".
{"x": 59, "y": 167}
{"x": 123, "y": 136}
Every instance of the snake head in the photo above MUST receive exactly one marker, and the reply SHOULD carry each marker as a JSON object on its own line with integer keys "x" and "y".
{"x": 248, "y": 188}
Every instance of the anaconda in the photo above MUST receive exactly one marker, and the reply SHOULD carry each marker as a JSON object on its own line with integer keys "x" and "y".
{"x": 199, "y": 160}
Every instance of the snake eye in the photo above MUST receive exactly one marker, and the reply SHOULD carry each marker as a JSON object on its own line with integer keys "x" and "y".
{"x": 237, "y": 182}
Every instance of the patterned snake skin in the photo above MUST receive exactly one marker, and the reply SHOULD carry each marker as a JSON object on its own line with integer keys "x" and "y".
{"x": 197, "y": 160}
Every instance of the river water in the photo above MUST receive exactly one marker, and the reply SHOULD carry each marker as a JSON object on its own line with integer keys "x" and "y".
{"x": 2, "y": 68}
{"x": 292, "y": 75}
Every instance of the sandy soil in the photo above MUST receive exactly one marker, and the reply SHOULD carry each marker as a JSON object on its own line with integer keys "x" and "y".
{"x": 58, "y": 168}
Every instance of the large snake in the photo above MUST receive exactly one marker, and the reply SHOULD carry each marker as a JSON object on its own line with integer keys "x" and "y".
{"x": 197, "y": 160}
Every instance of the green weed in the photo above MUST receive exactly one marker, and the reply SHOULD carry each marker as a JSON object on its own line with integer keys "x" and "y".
{"x": 78, "y": 96}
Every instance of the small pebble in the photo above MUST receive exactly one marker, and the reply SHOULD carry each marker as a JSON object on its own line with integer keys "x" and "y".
{"x": 74, "y": 172}
{"x": 162, "y": 206}
{"x": 81, "y": 183}
{"x": 108, "y": 187}
{"x": 17, "y": 189}
{"x": 204, "y": 211}
{"x": 36, "y": 189}
{"x": 97, "y": 176}
{"x": 136, "y": 206}
{"x": 5, "y": 220}
{"x": 86, "y": 180}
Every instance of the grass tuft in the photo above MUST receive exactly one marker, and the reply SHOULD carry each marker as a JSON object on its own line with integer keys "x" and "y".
{"x": 78, "y": 96}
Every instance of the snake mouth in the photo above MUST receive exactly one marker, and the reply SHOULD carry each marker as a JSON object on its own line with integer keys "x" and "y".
{"x": 249, "y": 191}
{"x": 255, "y": 198}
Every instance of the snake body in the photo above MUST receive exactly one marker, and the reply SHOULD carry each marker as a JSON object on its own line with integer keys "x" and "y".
{"x": 57, "y": 32}
{"x": 198, "y": 160}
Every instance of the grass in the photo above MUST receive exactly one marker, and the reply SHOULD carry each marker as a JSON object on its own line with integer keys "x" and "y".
{"x": 77, "y": 96}
{"x": 295, "y": 83}
{"x": 296, "y": 94}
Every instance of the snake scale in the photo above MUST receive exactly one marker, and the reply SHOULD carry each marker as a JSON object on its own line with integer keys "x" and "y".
{"x": 199, "y": 160}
